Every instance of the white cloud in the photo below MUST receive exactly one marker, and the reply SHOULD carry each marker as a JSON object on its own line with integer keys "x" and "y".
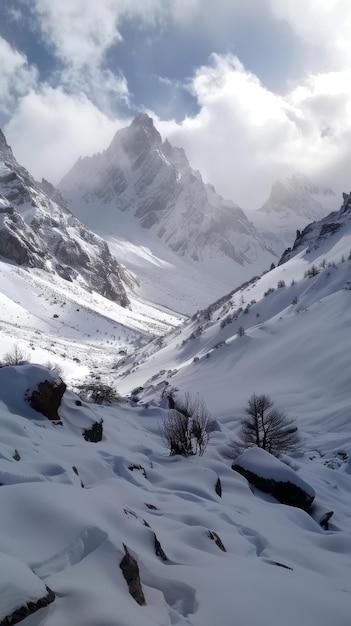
{"x": 17, "y": 77}
{"x": 245, "y": 136}
{"x": 51, "y": 129}
{"x": 81, "y": 32}
{"x": 323, "y": 23}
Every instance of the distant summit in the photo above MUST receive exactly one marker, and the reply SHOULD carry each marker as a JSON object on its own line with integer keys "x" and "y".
{"x": 292, "y": 204}
{"x": 141, "y": 183}
{"x": 299, "y": 195}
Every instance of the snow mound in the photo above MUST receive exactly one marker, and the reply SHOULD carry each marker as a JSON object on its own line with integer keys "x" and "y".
{"x": 18, "y": 586}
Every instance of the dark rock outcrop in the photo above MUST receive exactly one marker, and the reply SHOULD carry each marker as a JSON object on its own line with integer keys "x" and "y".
{"x": 46, "y": 399}
{"x": 159, "y": 551}
{"x": 28, "y": 609}
{"x": 268, "y": 474}
{"x": 130, "y": 571}
{"x": 216, "y": 538}
{"x": 218, "y": 487}
{"x": 94, "y": 434}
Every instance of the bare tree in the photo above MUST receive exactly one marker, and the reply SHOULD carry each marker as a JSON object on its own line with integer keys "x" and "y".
{"x": 265, "y": 427}
{"x": 187, "y": 428}
{"x": 15, "y": 356}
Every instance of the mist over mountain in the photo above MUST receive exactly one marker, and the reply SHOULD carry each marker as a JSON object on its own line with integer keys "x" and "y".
{"x": 292, "y": 204}
{"x": 142, "y": 188}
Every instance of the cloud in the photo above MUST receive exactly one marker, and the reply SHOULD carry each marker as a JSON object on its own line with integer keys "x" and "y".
{"x": 322, "y": 23}
{"x": 51, "y": 129}
{"x": 81, "y": 32}
{"x": 245, "y": 136}
{"x": 17, "y": 77}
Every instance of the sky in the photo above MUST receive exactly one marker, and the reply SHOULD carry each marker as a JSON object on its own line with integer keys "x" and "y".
{"x": 253, "y": 90}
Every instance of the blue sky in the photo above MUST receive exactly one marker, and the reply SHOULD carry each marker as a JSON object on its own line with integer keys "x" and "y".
{"x": 252, "y": 89}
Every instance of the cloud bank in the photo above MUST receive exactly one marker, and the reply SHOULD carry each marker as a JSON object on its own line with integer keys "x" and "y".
{"x": 243, "y": 135}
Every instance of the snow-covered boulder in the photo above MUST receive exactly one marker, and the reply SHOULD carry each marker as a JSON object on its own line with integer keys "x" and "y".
{"x": 21, "y": 591}
{"x": 270, "y": 475}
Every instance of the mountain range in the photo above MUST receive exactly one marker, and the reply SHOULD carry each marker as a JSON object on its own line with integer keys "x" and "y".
{"x": 99, "y": 524}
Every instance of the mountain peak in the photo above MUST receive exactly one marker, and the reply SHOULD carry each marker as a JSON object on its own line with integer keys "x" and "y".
{"x": 143, "y": 120}
{"x": 299, "y": 194}
{"x": 5, "y": 149}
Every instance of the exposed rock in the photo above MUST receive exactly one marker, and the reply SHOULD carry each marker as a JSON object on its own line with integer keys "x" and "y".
{"x": 46, "y": 399}
{"x": 94, "y": 434}
{"x": 153, "y": 180}
{"x": 218, "y": 487}
{"x": 216, "y": 538}
{"x": 130, "y": 571}
{"x": 159, "y": 550}
{"x": 48, "y": 236}
{"x": 16, "y": 456}
{"x": 324, "y": 521}
{"x": 140, "y": 468}
{"x": 28, "y": 609}
{"x": 267, "y": 473}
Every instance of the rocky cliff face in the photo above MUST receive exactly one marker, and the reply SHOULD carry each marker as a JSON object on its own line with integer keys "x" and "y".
{"x": 37, "y": 230}
{"x": 142, "y": 181}
{"x": 322, "y": 232}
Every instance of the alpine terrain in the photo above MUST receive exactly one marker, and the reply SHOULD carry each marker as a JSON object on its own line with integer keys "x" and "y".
{"x": 124, "y": 499}
{"x": 142, "y": 190}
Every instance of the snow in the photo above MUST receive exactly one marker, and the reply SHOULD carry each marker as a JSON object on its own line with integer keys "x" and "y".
{"x": 18, "y": 585}
{"x": 72, "y": 538}
{"x": 69, "y": 506}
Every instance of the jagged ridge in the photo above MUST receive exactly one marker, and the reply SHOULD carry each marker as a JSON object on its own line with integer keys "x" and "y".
{"x": 38, "y": 230}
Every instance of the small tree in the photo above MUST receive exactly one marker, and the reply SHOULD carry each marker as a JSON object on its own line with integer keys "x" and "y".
{"x": 15, "y": 356}
{"x": 265, "y": 427}
{"x": 187, "y": 428}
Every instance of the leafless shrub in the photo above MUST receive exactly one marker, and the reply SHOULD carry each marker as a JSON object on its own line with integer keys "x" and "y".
{"x": 56, "y": 368}
{"x": 15, "y": 356}
{"x": 187, "y": 428}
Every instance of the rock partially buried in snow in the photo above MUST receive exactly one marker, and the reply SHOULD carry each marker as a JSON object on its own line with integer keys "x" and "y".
{"x": 46, "y": 399}
{"x": 21, "y": 591}
{"x": 130, "y": 571}
{"x": 270, "y": 475}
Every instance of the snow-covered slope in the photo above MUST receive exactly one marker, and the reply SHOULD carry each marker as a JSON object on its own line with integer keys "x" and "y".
{"x": 37, "y": 230}
{"x": 295, "y": 320}
{"x": 71, "y": 508}
{"x": 144, "y": 191}
{"x": 293, "y": 204}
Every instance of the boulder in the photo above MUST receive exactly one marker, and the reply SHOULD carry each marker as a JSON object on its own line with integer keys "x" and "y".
{"x": 46, "y": 399}
{"x": 267, "y": 473}
{"x": 130, "y": 571}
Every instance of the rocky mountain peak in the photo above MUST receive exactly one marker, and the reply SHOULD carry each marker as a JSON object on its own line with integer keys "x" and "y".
{"x": 154, "y": 183}
{"x": 5, "y": 150}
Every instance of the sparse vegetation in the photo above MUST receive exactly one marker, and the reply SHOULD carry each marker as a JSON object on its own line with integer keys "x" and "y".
{"x": 265, "y": 427}
{"x": 99, "y": 393}
{"x": 186, "y": 430}
{"x": 56, "y": 368}
{"x": 312, "y": 271}
{"x": 15, "y": 356}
